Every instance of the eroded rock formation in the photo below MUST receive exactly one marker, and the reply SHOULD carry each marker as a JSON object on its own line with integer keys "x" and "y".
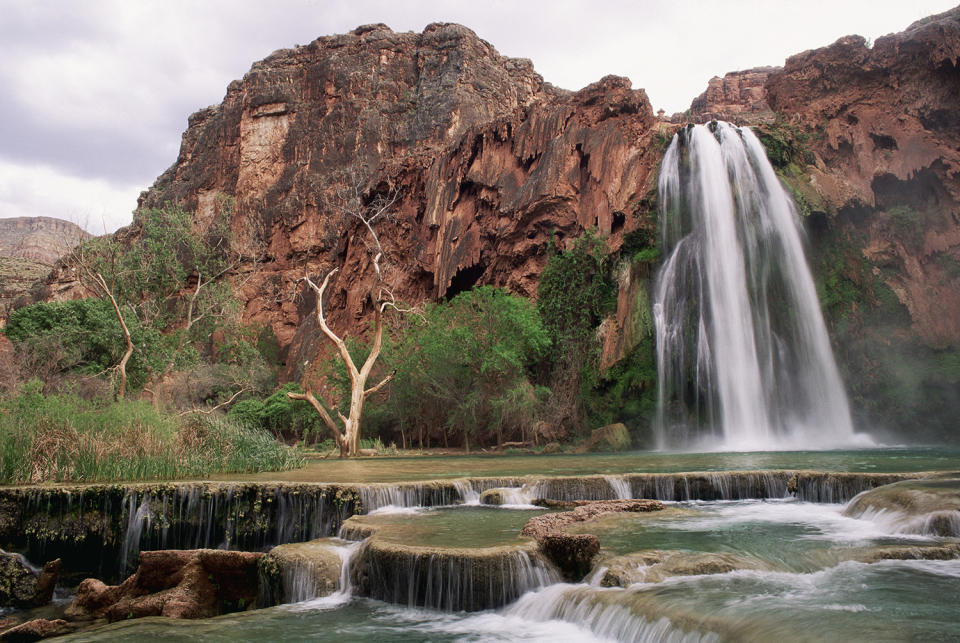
{"x": 174, "y": 583}
{"x": 492, "y": 164}
{"x": 40, "y": 239}
{"x": 739, "y": 96}
{"x": 884, "y": 123}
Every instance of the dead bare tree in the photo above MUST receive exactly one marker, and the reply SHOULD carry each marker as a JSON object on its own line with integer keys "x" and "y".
{"x": 86, "y": 260}
{"x": 350, "y": 201}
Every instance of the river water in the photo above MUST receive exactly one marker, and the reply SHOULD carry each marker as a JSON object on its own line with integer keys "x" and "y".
{"x": 800, "y": 574}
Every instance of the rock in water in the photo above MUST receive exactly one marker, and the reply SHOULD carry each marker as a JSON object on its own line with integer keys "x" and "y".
{"x": 195, "y": 583}
{"x": 21, "y": 586}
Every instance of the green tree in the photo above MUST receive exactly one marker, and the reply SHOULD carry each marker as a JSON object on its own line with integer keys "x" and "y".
{"x": 464, "y": 366}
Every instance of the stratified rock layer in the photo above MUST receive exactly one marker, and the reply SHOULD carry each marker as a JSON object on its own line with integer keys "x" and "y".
{"x": 40, "y": 239}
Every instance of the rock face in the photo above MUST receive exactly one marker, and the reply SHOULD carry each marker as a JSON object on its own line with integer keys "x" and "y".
{"x": 29, "y": 246}
{"x": 885, "y": 127}
{"x": 40, "y": 239}
{"x": 739, "y": 97}
{"x": 491, "y": 164}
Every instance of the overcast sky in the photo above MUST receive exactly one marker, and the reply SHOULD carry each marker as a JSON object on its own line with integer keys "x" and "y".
{"x": 96, "y": 94}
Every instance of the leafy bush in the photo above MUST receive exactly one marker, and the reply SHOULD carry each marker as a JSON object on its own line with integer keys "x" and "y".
{"x": 279, "y": 414}
{"x": 81, "y": 336}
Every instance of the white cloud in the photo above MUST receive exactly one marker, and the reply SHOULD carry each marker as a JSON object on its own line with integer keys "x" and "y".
{"x": 94, "y": 204}
{"x": 96, "y": 94}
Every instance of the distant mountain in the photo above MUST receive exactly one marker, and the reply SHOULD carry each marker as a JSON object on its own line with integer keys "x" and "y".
{"x": 40, "y": 239}
{"x": 29, "y": 246}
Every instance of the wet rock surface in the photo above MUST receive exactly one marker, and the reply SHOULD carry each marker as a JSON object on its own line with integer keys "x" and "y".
{"x": 175, "y": 583}
{"x": 35, "y": 630}
{"x": 300, "y": 571}
{"x": 655, "y": 565}
{"x": 21, "y": 586}
{"x": 928, "y": 507}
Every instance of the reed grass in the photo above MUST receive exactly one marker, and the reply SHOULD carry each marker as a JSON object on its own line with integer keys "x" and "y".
{"x": 60, "y": 438}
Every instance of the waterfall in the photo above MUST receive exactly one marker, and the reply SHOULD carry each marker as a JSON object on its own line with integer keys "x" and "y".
{"x": 742, "y": 350}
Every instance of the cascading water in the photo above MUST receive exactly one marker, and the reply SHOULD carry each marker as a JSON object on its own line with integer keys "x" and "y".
{"x": 742, "y": 350}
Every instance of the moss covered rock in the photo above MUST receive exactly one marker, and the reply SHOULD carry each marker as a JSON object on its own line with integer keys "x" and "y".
{"x": 613, "y": 437}
{"x": 21, "y": 586}
{"x": 301, "y": 571}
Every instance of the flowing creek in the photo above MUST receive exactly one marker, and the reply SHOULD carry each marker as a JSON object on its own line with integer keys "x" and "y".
{"x": 736, "y": 555}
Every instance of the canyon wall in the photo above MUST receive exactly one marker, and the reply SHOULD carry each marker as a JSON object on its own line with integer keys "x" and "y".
{"x": 492, "y": 165}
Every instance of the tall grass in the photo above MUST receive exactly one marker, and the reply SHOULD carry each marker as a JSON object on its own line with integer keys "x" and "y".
{"x": 59, "y": 438}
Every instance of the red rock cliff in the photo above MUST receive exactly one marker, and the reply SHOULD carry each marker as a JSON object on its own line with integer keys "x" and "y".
{"x": 885, "y": 129}
{"x": 491, "y": 163}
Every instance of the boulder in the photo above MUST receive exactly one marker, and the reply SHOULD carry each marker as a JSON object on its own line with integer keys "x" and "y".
{"x": 613, "y": 437}
{"x": 179, "y": 584}
{"x": 21, "y": 586}
{"x": 492, "y": 497}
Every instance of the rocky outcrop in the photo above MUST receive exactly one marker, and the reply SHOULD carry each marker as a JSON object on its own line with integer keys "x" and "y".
{"x": 574, "y": 554}
{"x": 29, "y": 246}
{"x": 491, "y": 163}
{"x": 539, "y": 527}
{"x": 739, "y": 97}
{"x": 175, "y": 583}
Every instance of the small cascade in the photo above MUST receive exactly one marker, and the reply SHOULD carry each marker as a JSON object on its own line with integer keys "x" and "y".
{"x": 310, "y": 570}
{"x": 620, "y": 487}
{"x": 928, "y": 507}
{"x": 450, "y": 579}
{"x": 603, "y": 612}
{"x": 742, "y": 350}
{"x": 435, "y": 493}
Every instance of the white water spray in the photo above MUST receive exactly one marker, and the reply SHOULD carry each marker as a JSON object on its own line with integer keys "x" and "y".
{"x": 742, "y": 350}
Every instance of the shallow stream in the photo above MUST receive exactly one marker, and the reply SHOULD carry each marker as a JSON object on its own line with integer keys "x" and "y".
{"x": 799, "y": 573}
